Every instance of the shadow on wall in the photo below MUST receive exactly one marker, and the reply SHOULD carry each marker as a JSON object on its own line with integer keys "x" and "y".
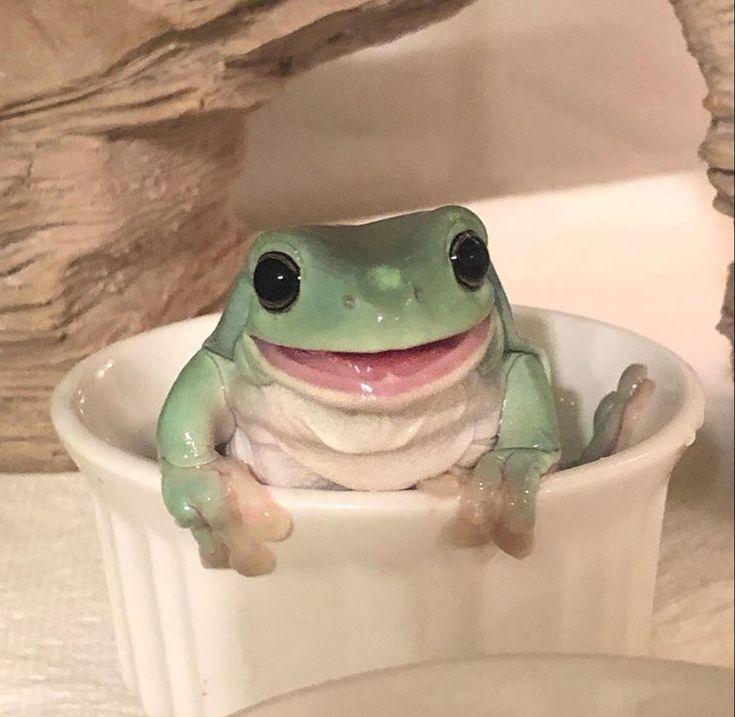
{"x": 610, "y": 96}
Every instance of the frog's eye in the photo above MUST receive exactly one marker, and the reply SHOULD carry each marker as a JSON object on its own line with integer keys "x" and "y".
{"x": 470, "y": 260}
{"x": 277, "y": 280}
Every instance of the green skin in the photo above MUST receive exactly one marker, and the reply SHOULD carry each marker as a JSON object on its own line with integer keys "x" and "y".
{"x": 358, "y": 294}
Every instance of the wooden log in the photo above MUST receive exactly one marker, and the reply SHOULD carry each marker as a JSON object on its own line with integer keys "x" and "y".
{"x": 708, "y": 29}
{"x": 121, "y": 133}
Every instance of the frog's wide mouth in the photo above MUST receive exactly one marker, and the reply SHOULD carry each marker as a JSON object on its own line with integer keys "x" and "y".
{"x": 383, "y": 373}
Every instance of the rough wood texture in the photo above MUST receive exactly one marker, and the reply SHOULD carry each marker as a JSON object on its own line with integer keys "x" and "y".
{"x": 708, "y": 28}
{"x": 121, "y": 132}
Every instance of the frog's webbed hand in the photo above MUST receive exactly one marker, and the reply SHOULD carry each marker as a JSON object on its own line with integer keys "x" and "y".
{"x": 230, "y": 514}
{"x": 617, "y": 415}
{"x": 479, "y": 503}
{"x": 497, "y": 499}
{"x": 523, "y": 470}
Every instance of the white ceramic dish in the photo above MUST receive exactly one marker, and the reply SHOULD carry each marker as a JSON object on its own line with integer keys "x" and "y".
{"x": 519, "y": 686}
{"x": 363, "y": 583}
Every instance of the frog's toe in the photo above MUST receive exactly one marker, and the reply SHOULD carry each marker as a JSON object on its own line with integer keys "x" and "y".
{"x": 187, "y": 516}
{"x": 268, "y": 522}
{"x": 517, "y": 544}
{"x": 261, "y": 516}
{"x": 515, "y": 527}
{"x": 635, "y": 406}
{"x": 251, "y": 558}
{"x": 518, "y": 513}
{"x": 213, "y": 552}
{"x": 219, "y": 558}
{"x": 465, "y": 534}
{"x": 181, "y": 507}
{"x": 631, "y": 379}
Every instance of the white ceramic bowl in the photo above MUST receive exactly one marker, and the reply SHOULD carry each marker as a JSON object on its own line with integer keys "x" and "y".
{"x": 519, "y": 686}
{"x": 363, "y": 583}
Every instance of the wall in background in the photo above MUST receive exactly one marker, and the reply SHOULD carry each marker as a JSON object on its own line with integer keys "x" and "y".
{"x": 505, "y": 98}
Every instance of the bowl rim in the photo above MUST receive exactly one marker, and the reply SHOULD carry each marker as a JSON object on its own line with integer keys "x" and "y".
{"x": 634, "y": 666}
{"x": 79, "y": 440}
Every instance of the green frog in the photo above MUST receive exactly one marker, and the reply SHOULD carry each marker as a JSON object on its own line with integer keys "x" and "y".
{"x": 374, "y": 357}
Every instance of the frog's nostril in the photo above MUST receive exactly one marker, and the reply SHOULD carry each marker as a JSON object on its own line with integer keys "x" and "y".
{"x": 348, "y": 301}
{"x": 417, "y": 293}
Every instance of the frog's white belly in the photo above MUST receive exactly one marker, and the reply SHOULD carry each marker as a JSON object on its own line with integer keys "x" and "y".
{"x": 290, "y": 440}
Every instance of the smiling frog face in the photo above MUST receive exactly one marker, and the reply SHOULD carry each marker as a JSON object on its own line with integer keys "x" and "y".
{"x": 394, "y": 308}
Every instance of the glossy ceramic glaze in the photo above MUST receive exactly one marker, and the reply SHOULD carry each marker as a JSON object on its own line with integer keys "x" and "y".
{"x": 363, "y": 582}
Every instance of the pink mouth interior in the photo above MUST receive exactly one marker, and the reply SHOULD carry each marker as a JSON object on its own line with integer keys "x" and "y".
{"x": 383, "y": 374}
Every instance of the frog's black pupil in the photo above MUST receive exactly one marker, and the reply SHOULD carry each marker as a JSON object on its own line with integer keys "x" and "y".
{"x": 277, "y": 280}
{"x": 470, "y": 259}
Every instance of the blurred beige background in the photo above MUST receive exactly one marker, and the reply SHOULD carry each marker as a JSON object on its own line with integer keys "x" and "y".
{"x": 507, "y": 97}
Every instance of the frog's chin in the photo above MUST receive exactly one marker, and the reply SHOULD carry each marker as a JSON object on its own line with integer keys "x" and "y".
{"x": 381, "y": 379}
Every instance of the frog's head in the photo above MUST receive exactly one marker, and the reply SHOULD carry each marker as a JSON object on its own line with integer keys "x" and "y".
{"x": 394, "y": 309}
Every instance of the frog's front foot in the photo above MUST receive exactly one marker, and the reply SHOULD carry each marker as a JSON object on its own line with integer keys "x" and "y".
{"x": 497, "y": 501}
{"x": 230, "y": 514}
{"x": 478, "y": 495}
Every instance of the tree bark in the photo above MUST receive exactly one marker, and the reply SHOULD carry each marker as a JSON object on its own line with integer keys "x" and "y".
{"x": 708, "y": 29}
{"x": 121, "y": 132}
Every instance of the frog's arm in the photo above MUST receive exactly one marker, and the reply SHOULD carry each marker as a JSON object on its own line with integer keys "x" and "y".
{"x": 498, "y": 499}
{"x": 228, "y": 511}
{"x": 528, "y": 418}
{"x": 195, "y": 417}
